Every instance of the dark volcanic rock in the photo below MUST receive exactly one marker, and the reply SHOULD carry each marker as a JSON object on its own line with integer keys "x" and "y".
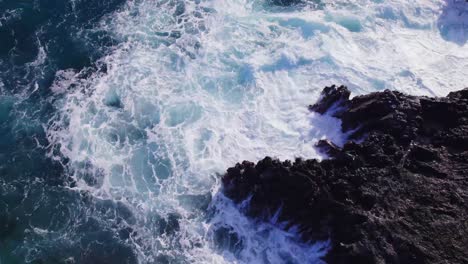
{"x": 331, "y": 97}
{"x": 398, "y": 196}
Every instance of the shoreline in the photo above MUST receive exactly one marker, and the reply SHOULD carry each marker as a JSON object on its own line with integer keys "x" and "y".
{"x": 396, "y": 192}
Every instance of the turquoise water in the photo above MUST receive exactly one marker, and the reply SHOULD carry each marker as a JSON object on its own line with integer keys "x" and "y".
{"x": 117, "y": 117}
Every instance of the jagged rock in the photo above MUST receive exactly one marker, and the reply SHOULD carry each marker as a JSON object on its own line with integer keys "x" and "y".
{"x": 400, "y": 195}
{"x": 328, "y": 147}
{"x": 331, "y": 97}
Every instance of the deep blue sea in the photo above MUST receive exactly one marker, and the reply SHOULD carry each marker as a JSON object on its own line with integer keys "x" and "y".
{"x": 118, "y": 117}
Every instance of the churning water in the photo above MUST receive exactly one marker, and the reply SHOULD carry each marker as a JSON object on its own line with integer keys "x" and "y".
{"x": 118, "y": 117}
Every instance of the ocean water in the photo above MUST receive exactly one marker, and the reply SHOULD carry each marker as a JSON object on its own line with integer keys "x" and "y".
{"x": 118, "y": 117}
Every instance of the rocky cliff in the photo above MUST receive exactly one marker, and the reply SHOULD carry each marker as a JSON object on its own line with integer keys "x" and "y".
{"x": 396, "y": 192}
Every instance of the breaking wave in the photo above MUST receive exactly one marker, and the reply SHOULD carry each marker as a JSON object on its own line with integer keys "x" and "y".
{"x": 182, "y": 90}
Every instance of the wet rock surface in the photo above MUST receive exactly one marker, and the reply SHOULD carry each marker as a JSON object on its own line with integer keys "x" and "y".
{"x": 396, "y": 192}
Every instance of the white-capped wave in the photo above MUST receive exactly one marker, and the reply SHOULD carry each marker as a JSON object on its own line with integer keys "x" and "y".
{"x": 196, "y": 86}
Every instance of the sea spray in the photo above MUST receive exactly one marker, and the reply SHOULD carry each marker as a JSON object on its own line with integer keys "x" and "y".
{"x": 197, "y": 86}
{"x": 177, "y": 92}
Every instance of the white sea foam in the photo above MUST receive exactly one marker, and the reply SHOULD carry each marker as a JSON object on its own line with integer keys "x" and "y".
{"x": 195, "y": 87}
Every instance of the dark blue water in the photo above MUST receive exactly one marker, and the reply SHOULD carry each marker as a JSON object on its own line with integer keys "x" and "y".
{"x": 39, "y": 38}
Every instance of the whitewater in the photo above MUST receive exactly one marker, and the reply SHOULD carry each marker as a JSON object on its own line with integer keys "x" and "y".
{"x": 192, "y": 87}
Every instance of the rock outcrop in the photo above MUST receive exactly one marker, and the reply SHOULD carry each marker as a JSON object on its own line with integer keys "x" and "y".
{"x": 396, "y": 192}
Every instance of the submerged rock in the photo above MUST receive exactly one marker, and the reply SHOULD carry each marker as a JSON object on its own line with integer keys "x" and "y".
{"x": 284, "y": 2}
{"x": 288, "y": 2}
{"x": 400, "y": 195}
